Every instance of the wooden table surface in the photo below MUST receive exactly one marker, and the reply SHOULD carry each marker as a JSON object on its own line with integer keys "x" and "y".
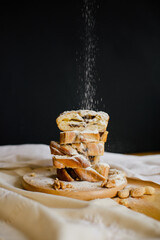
{"x": 148, "y": 204}
{"x": 145, "y": 153}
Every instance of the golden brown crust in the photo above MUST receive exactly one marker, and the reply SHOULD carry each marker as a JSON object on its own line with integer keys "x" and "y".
{"x": 89, "y": 174}
{"x": 84, "y": 137}
{"x": 89, "y": 149}
{"x": 57, "y": 164}
{"x": 82, "y": 119}
{"x": 82, "y": 140}
{"x": 53, "y": 147}
{"x": 63, "y": 175}
{"x": 68, "y": 137}
{"x": 77, "y": 161}
{"x": 55, "y": 151}
{"x": 85, "y": 174}
{"x": 63, "y": 149}
{"x": 103, "y": 136}
{"x": 94, "y": 159}
{"x": 72, "y": 173}
{"x": 102, "y": 168}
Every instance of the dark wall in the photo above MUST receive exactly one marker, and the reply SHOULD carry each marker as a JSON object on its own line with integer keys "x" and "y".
{"x": 39, "y": 74}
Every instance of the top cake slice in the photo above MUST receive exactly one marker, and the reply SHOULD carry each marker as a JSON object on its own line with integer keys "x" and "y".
{"x": 83, "y": 120}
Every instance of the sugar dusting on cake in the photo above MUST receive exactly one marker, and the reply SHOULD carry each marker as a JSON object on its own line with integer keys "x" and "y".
{"x": 88, "y": 74}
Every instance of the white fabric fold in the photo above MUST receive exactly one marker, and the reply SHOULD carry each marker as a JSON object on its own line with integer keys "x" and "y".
{"x": 146, "y": 168}
{"x": 31, "y": 215}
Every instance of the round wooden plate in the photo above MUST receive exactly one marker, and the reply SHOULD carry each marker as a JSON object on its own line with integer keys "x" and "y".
{"x": 42, "y": 179}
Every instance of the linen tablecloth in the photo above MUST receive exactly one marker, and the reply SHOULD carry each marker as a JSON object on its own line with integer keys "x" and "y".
{"x": 32, "y": 215}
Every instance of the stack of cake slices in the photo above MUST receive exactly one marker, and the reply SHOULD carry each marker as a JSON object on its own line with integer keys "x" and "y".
{"x": 77, "y": 155}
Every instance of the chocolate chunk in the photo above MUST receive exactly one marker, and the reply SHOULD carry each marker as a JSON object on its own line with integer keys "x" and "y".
{"x": 88, "y": 117}
{"x": 74, "y": 125}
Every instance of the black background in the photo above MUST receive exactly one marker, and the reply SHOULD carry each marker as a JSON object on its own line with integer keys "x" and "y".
{"x": 39, "y": 73}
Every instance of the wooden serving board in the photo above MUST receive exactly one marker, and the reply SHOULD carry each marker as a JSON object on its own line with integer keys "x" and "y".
{"x": 43, "y": 178}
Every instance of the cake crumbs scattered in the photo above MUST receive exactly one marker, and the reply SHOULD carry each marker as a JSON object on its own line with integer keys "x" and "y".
{"x": 69, "y": 185}
{"x": 57, "y": 185}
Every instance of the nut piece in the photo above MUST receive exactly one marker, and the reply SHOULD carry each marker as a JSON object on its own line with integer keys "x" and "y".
{"x": 62, "y": 185}
{"x": 149, "y": 190}
{"x": 56, "y": 184}
{"x": 123, "y": 193}
{"x": 33, "y": 174}
{"x": 137, "y": 192}
{"x": 123, "y": 202}
{"x": 69, "y": 185}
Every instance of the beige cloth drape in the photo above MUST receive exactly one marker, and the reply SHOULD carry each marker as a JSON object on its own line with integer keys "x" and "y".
{"x": 33, "y": 215}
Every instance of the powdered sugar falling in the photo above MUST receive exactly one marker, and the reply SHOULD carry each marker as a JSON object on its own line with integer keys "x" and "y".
{"x": 88, "y": 75}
